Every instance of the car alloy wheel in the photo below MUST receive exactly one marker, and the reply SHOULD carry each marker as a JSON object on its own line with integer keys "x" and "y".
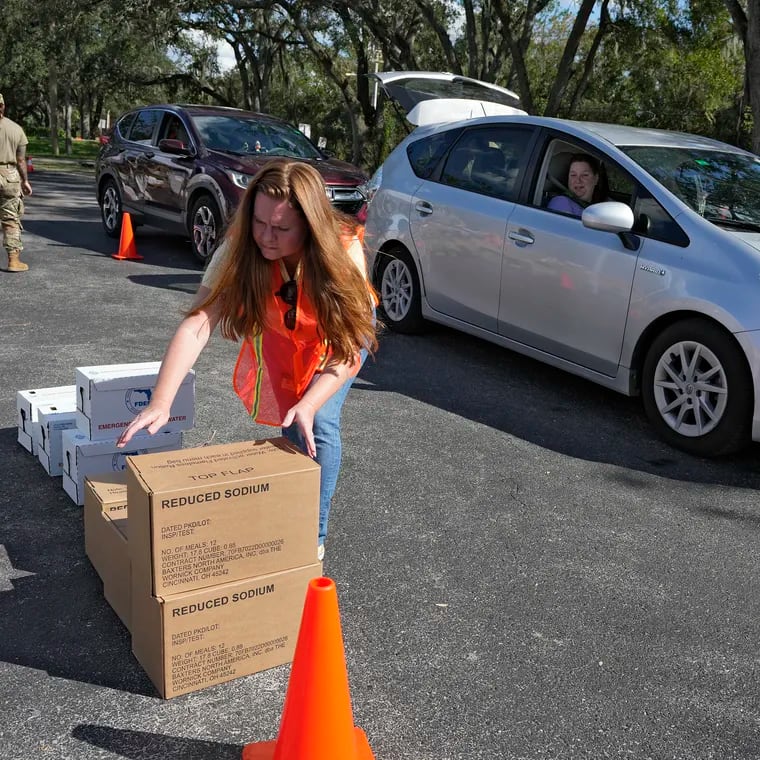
{"x": 206, "y": 227}
{"x": 400, "y": 291}
{"x": 697, "y": 390}
{"x": 110, "y": 209}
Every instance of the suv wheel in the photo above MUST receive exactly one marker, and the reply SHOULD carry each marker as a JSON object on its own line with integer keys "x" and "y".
{"x": 697, "y": 390}
{"x": 110, "y": 208}
{"x": 205, "y": 227}
{"x": 399, "y": 288}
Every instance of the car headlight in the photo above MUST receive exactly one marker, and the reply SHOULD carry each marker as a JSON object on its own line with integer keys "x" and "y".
{"x": 344, "y": 194}
{"x": 239, "y": 179}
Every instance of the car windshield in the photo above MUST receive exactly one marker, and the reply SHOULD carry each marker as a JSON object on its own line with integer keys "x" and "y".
{"x": 244, "y": 136}
{"x": 721, "y": 186}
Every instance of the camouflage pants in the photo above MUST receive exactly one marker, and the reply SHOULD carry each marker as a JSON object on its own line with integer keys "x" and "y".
{"x": 11, "y": 211}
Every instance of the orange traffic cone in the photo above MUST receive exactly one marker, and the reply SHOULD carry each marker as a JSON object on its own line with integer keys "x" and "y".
{"x": 127, "y": 247}
{"x": 317, "y": 722}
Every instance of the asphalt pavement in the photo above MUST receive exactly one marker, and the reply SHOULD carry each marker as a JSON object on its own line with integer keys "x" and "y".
{"x": 523, "y": 570}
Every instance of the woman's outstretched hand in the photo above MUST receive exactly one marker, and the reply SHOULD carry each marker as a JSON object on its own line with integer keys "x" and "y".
{"x": 303, "y": 415}
{"x": 152, "y": 419}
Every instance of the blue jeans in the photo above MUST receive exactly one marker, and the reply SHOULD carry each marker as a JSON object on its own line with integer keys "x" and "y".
{"x": 329, "y": 448}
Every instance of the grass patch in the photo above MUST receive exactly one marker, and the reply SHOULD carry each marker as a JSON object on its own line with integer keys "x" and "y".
{"x": 39, "y": 147}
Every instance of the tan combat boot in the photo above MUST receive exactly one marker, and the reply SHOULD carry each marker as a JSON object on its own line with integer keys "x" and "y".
{"x": 14, "y": 262}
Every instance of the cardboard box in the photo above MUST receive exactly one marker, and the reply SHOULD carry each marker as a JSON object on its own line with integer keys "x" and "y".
{"x": 83, "y": 457}
{"x": 52, "y": 420}
{"x": 187, "y": 642}
{"x": 26, "y": 409}
{"x": 109, "y": 397}
{"x": 106, "y": 539}
{"x": 221, "y": 513}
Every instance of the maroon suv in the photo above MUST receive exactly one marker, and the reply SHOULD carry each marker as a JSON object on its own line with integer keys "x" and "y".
{"x": 184, "y": 168}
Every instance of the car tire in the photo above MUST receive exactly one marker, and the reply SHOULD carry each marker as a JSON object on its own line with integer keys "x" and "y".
{"x": 711, "y": 420}
{"x": 111, "y": 213}
{"x": 399, "y": 290}
{"x": 205, "y": 227}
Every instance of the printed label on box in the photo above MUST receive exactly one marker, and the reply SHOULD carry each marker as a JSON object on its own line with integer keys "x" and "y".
{"x": 189, "y": 641}
{"x": 219, "y": 513}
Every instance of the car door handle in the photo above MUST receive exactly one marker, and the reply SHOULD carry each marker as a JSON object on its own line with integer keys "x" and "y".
{"x": 424, "y": 208}
{"x": 521, "y": 236}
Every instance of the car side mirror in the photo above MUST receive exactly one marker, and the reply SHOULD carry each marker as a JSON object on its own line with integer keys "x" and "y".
{"x": 612, "y": 216}
{"x": 175, "y": 147}
{"x": 608, "y": 216}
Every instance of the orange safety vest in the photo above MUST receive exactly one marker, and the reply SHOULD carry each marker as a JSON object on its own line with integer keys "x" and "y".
{"x": 274, "y": 368}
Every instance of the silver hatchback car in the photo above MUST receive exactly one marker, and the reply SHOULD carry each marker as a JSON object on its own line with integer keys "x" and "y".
{"x": 650, "y": 285}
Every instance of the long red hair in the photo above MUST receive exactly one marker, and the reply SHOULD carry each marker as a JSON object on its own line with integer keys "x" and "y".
{"x": 335, "y": 286}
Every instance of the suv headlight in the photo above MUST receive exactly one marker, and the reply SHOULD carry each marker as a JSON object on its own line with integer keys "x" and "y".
{"x": 372, "y": 185}
{"x": 239, "y": 179}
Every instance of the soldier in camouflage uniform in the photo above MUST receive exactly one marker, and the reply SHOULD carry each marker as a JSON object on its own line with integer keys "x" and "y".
{"x": 14, "y": 184}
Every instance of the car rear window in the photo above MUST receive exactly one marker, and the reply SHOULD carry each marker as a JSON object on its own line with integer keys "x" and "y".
{"x": 142, "y": 129}
{"x": 125, "y": 124}
{"x": 425, "y": 154}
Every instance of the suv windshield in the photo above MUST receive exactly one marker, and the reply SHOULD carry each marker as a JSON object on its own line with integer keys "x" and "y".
{"x": 722, "y": 187}
{"x": 242, "y": 136}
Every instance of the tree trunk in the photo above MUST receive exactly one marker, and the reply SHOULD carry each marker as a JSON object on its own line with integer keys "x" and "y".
{"x": 604, "y": 26}
{"x": 747, "y": 26}
{"x": 565, "y": 69}
{"x": 53, "y": 108}
{"x": 95, "y": 115}
{"x": 67, "y": 117}
{"x": 752, "y": 58}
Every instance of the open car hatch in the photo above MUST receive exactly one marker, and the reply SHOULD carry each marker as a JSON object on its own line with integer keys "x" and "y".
{"x": 436, "y": 97}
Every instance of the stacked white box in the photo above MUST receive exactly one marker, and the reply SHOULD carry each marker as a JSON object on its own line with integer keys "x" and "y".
{"x": 83, "y": 456}
{"x": 110, "y": 396}
{"x": 52, "y": 420}
{"x": 27, "y": 403}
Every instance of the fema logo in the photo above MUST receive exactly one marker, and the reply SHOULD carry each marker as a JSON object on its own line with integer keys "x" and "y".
{"x": 137, "y": 399}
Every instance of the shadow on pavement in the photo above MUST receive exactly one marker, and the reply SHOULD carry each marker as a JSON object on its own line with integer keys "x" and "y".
{"x": 53, "y": 616}
{"x": 504, "y": 390}
{"x": 185, "y": 283}
{"x": 142, "y": 744}
{"x": 60, "y": 198}
{"x": 84, "y": 233}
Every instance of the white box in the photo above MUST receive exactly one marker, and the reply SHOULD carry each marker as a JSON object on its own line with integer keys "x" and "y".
{"x": 52, "y": 420}
{"x": 109, "y": 397}
{"x": 83, "y": 456}
{"x": 26, "y": 407}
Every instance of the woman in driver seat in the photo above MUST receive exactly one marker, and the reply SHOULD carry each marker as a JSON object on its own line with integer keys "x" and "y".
{"x": 586, "y": 183}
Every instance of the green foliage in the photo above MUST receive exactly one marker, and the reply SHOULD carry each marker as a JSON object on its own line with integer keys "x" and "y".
{"x": 663, "y": 63}
{"x": 39, "y": 147}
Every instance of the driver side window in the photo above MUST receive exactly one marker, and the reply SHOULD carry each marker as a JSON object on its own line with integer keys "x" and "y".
{"x": 575, "y": 176}
{"x": 174, "y": 129}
